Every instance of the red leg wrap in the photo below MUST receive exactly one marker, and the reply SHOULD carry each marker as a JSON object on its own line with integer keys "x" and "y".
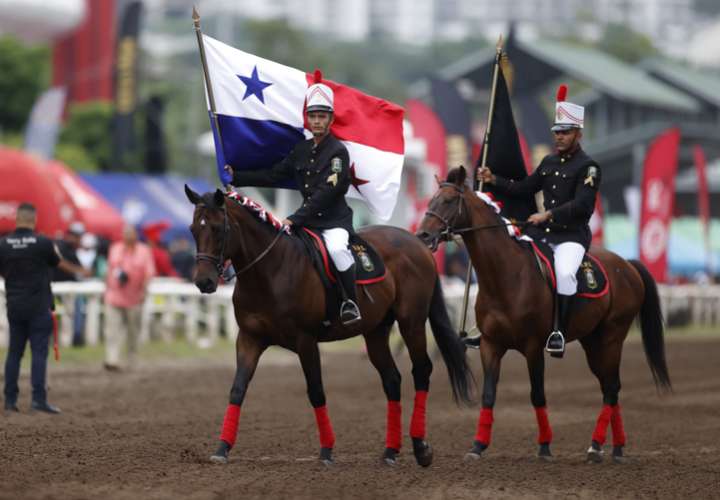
{"x": 617, "y": 427}
{"x": 545, "y": 434}
{"x": 417, "y": 423}
{"x": 230, "y": 424}
{"x": 602, "y": 424}
{"x": 484, "y": 426}
{"x": 327, "y": 436}
{"x": 393, "y": 438}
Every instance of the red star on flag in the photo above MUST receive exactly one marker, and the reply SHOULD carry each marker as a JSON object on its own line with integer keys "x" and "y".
{"x": 354, "y": 180}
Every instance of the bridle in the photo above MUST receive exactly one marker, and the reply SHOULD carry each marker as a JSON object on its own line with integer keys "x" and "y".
{"x": 219, "y": 261}
{"x": 448, "y": 231}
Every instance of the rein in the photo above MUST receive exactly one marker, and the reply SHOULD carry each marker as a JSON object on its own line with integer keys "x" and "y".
{"x": 448, "y": 231}
{"x": 218, "y": 262}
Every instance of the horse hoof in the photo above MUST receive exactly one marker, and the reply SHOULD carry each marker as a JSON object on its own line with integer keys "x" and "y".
{"x": 475, "y": 452}
{"x": 544, "y": 453}
{"x": 617, "y": 455}
{"x": 389, "y": 456}
{"x": 595, "y": 455}
{"x": 221, "y": 455}
{"x": 423, "y": 452}
{"x": 326, "y": 457}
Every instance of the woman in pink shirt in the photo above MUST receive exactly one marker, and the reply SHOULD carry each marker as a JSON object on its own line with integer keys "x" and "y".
{"x": 130, "y": 267}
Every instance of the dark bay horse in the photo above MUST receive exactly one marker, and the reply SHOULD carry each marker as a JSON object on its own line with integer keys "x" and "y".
{"x": 514, "y": 310}
{"x": 279, "y": 299}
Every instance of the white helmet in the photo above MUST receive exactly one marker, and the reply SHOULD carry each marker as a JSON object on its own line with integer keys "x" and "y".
{"x": 567, "y": 115}
{"x": 319, "y": 97}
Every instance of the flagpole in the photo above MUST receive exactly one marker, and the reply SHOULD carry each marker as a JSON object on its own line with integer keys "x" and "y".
{"x": 478, "y": 185}
{"x": 208, "y": 83}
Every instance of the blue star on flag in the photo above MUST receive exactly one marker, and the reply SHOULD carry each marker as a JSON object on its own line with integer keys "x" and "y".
{"x": 254, "y": 86}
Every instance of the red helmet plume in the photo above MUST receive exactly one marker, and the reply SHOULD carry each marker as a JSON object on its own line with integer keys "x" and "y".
{"x": 561, "y": 93}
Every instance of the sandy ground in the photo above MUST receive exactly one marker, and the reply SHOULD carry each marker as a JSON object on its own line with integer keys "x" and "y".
{"x": 149, "y": 433}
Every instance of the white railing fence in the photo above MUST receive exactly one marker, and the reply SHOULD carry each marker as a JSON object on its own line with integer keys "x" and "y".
{"x": 176, "y": 309}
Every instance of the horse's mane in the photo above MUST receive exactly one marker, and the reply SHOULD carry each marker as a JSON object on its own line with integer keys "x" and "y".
{"x": 258, "y": 211}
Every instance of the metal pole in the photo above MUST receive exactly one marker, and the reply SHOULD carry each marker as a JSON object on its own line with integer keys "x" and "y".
{"x": 478, "y": 184}
{"x": 208, "y": 83}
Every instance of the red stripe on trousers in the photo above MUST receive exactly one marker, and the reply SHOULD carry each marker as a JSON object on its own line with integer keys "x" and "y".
{"x": 484, "y": 427}
{"x": 393, "y": 438}
{"x": 602, "y": 424}
{"x": 545, "y": 434}
{"x": 327, "y": 436}
{"x": 417, "y": 423}
{"x": 230, "y": 425}
{"x": 617, "y": 427}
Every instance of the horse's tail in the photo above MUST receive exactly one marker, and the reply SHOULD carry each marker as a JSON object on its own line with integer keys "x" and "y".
{"x": 451, "y": 347}
{"x": 651, "y": 326}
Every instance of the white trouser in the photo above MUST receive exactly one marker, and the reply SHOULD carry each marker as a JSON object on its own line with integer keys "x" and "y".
{"x": 568, "y": 257}
{"x": 336, "y": 240}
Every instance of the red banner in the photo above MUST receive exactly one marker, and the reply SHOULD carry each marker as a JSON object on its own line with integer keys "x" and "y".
{"x": 658, "y": 197}
{"x": 703, "y": 196}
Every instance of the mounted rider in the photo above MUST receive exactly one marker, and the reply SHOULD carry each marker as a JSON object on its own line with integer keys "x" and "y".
{"x": 320, "y": 167}
{"x": 569, "y": 181}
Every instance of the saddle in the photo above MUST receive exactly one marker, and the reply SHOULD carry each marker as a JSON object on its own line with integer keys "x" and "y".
{"x": 591, "y": 276}
{"x": 369, "y": 266}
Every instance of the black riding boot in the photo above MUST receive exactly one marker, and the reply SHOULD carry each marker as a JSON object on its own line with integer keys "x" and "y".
{"x": 556, "y": 341}
{"x": 349, "y": 310}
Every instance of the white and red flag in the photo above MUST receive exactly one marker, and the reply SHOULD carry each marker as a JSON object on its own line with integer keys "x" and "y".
{"x": 259, "y": 105}
{"x": 658, "y": 198}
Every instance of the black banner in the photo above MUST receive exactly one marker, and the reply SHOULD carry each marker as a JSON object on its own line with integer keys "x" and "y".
{"x": 125, "y": 80}
{"x": 504, "y": 156}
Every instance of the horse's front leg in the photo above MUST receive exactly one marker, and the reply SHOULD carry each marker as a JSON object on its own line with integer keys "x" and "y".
{"x": 491, "y": 355}
{"x": 307, "y": 349}
{"x": 536, "y": 369}
{"x": 247, "y": 351}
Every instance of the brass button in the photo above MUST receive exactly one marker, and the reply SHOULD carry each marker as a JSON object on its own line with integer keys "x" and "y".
{"x": 552, "y": 201}
{"x": 306, "y": 185}
{"x": 562, "y": 160}
{"x": 554, "y": 186}
{"x": 557, "y": 173}
{"x": 547, "y": 229}
{"x": 312, "y": 160}
{"x": 319, "y": 214}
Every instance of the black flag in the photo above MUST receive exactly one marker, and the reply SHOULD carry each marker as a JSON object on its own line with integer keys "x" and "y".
{"x": 504, "y": 156}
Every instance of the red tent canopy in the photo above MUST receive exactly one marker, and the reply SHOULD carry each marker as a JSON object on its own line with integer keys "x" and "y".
{"x": 59, "y": 195}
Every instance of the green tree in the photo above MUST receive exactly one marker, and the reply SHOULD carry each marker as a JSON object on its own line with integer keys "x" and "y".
{"x": 88, "y": 126}
{"x": 626, "y": 44}
{"x": 24, "y": 74}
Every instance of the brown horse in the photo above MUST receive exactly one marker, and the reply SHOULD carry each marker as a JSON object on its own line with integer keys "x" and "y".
{"x": 514, "y": 310}
{"x": 279, "y": 299}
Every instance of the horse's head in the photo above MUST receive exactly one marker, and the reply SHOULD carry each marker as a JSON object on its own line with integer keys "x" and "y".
{"x": 446, "y": 211}
{"x": 211, "y": 230}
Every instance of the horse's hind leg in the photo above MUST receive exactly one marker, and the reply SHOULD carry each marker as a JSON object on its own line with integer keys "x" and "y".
{"x": 421, "y": 369}
{"x": 307, "y": 349}
{"x": 491, "y": 356}
{"x": 536, "y": 370}
{"x": 247, "y": 352}
{"x": 603, "y": 354}
{"x": 380, "y": 356}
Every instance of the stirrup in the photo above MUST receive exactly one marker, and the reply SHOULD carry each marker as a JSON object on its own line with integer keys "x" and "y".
{"x": 349, "y": 312}
{"x": 473, "y": 342}
{"x": 551, "y": 344}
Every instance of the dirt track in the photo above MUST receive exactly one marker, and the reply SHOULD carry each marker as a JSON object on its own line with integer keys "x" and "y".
{"x": 148, "y": 434}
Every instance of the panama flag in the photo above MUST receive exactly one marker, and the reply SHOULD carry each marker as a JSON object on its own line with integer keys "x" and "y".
{"x": 259, "y": 106}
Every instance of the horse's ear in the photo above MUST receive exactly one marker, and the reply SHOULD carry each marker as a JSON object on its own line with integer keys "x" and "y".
{"x": 219, "y": 198}
{"x": 192, "y": 195}
{"x": 438, "y": 179}
{"x": 462, "y": 175}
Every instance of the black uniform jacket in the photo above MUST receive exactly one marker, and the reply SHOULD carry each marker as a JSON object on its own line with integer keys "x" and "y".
{"x": 26, "y": 259}
{"x": 569, "y": 184}
{"x": 322, "y": 173}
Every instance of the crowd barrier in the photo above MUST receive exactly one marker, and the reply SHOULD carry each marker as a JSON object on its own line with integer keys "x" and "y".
{"x": 175, "y": 309}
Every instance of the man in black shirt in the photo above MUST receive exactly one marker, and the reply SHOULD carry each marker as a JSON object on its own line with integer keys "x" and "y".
{"x": 26, "y": 260}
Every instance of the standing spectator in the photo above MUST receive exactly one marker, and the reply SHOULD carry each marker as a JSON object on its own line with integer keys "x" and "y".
{"x": 130, "y": 267}
{"x": 73, "y": 320}
{"x": 153, "y": 235}
{"x": 26, "y": 260}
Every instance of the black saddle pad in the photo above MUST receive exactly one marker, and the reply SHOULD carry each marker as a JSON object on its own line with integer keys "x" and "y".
{"x": 369, "y": 267}
{"x": 591, "y": 276}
